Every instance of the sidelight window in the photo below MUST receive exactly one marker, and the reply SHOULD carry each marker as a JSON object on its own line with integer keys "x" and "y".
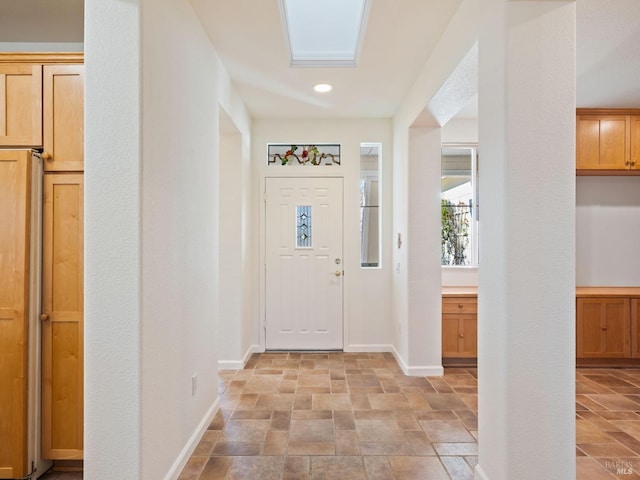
{"x": 370, "y": 196}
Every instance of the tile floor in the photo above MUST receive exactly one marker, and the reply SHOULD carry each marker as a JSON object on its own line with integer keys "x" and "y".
{"x": 355, "y": 416}
{"x": 608, "y": 423}
{"x": 338, "y": 416}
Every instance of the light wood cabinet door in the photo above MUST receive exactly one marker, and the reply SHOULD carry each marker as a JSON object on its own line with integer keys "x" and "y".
{"x": 634, "y": 161}
{"x": 62, "y": 317}
{"x": 602, "y": 142}
{"x": 450, "y": 332}
{"x": 468, "y": 335}
{"x": 603, "y": 328}
{"x": 21, "y": 105}
{"x": 14, "y": 258}
{"x": 459, "y": 327}
{"x": 63, "y": 117}
{"x": 635, "y": 327}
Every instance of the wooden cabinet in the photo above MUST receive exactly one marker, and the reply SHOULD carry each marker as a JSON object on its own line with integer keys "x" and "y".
{"x": 607, "y": 142}
{"x": 62, "y": 317}
{"x": 41, "y": 105}
{"x": 44, "y": 106}
{"x": 20, "y": 105}
{"x": 63, "y": 118}
{"x": 635, "y": 327}
{"x": 603, "y": 327}
{"x": 14, "y": 272}
{"x": 634, "y": 132}
{"x": 459, "y": 327}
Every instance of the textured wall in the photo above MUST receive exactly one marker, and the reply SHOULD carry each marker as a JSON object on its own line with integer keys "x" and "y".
{"x": 154, "y": 87}
{"x": 607, "y": 229}
{"x": 112, "y": 241}
{"x": 526, "y": 292}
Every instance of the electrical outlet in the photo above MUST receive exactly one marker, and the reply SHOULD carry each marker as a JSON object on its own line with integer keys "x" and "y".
{"x": 194, "y": 384}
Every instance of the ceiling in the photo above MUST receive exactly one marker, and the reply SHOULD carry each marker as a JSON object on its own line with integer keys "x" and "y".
{"x": 399, "y": 37}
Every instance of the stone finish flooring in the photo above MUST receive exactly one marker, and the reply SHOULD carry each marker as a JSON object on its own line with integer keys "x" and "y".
{"x": 339, "y": 416}
{"x": 608, "y": 423}
{"x": 356, "y": 416}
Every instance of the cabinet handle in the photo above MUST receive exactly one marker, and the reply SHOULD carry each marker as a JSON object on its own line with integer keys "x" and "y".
{"x": 46, "y": 156}
{"x": 461, "y": 335}
{"x": 460, "y": 305}
{"x": 604, "y": 328}
{"x": 44, "y": 317}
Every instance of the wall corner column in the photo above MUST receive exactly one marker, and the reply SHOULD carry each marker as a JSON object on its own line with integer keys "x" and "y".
{"x": 113, "y": 274}
{"x": 424, "y": 272}
{"x": 526, "y": 296}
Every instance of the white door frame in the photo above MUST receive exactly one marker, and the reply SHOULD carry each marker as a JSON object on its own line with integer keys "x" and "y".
{"x": 300, "y": 172}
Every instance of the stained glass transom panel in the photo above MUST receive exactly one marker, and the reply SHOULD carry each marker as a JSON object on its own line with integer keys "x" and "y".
{"x": 324, "y": 155}
{"x": 303, "y": 226}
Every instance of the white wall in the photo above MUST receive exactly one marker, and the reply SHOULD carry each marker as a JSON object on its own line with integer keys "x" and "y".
{"x": 607, "y": 231}
{"x": 460, "y": 276}
{"x": 423, "y": 240}
{"x": 183, "y": 84}
{"x": 526, "y": 292}
{"x": 237, "y": 259}
{"x": 457, "y": 40}
{"x": 112, "y": 436}
{"x": 367, "y": 296}
{"x": 462, "y": 130}
{"x": 152, "y": 234}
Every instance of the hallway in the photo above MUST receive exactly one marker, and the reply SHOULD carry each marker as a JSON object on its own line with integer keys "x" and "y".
{"x": 338, "y": 416}
{"x": 356, "y": 416}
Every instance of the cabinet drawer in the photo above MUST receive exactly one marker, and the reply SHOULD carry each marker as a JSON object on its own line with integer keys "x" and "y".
{"x": 460, "y": 305}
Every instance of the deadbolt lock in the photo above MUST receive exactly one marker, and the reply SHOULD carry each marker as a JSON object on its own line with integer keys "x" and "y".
{"x": 338, "y": 261}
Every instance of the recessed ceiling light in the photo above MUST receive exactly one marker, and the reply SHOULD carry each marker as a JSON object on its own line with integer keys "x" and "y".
{"x": 322, "y": 87}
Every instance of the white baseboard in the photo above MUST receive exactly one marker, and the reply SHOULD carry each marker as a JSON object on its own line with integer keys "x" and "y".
{"x": 239, "y": 364}
{"x": 426, "y": 371}
{"x": 192, "y": 443}
{"x": 417, "y": 371}
{"x": 368, "y": 348}
{"x": 480, "y": 475}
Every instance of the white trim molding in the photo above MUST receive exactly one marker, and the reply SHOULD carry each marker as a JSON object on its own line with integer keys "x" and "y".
{"x": 182, "y": 459}
{"x": 369, "y": 348}
{"x": 239, "y": 364}
{"x": 418, "y": 371}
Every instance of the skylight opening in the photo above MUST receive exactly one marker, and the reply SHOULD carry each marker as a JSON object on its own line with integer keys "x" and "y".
{"x": 324, "y": 33}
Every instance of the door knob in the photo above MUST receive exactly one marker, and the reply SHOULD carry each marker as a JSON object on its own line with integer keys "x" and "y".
{"x": 44, "y": 317}
{"x": 338, "y": 273}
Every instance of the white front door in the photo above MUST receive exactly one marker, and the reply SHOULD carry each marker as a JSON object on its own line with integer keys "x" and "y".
{"x": 304, "y": 263}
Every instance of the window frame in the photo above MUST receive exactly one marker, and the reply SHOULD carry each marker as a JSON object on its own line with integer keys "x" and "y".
{"x": 475, "y": 201}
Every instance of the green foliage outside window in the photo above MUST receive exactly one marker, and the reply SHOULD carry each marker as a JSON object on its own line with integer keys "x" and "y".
{"x": 455, "y": 233}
